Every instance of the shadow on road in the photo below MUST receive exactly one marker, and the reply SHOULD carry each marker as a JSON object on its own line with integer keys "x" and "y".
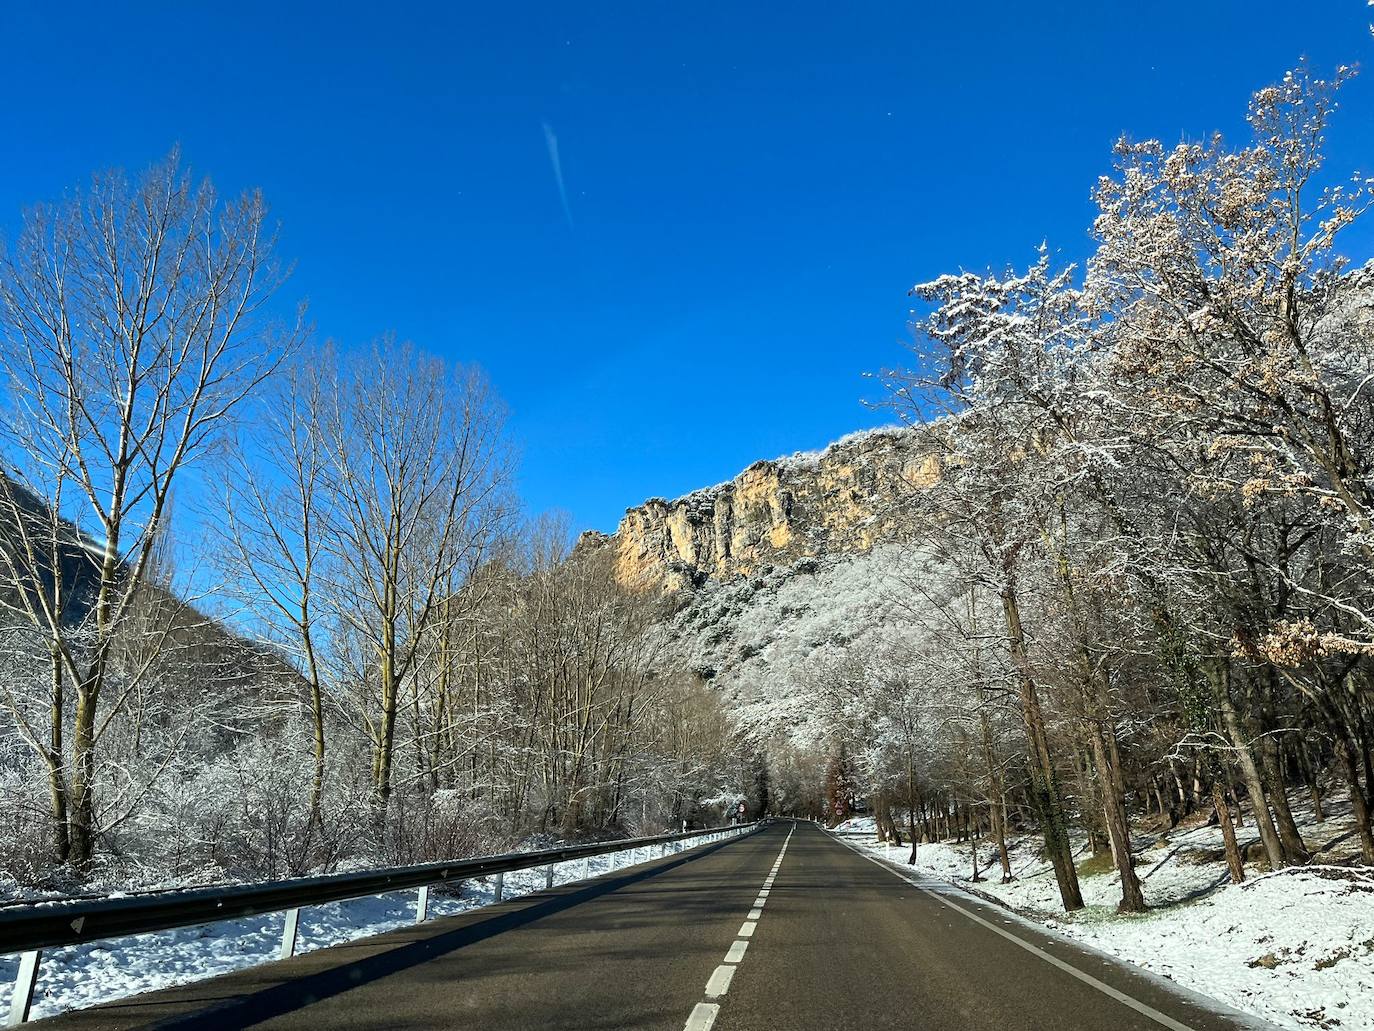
{"x": 297, "y": 993}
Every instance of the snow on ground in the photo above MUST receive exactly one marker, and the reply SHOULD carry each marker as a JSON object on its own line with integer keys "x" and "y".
{"x": 1294, "y": 947}
{"x": 87, "y": 974}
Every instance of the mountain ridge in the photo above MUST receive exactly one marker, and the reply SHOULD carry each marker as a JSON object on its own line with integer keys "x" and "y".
{"x": 842, "y": 498}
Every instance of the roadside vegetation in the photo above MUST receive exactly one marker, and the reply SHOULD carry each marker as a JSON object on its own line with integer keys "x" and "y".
{"x": 270, "y": 605}
{"x": 1141, "y": 589}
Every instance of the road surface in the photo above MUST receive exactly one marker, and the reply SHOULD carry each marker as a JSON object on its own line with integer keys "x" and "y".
{"x": 784, "y": 929}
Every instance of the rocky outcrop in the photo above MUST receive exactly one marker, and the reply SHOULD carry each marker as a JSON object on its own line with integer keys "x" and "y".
{"x": 843, "y": 499}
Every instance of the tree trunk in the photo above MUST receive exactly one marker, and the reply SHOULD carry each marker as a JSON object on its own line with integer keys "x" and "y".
{"x": 386, "y": 736}
{"x": 894, "y": 835}
{"x": 1219, "y": 672}
{"x": 81, "y": 797}
{"x": 911, "y": 805}
{"x": 1179, "y": 790}
{"x": 1118, "y": 827}
{"x": 1309, "y": 773}
{"x": 973, "y": 856}
{"x": 1294, "y": 849}
{"x": 315, "y": 819}
{"x": 57, "y": 782}
{"x": 996, "y": 799}
{"x": 1275, "y": 783}
{"x": 999, "y": 830}
{"x": 57, "y": 796}
{"x": 1234, "y": 862}
{"x": 1359, "y": 804}
{"x": 1044, "y": 786}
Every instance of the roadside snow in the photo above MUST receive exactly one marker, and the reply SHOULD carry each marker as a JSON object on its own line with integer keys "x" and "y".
{"x": 84, "y": 975}
{"x": 1294, "y": 947}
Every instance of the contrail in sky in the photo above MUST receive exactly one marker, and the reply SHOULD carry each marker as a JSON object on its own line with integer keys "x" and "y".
{"x": 552, "y": 142}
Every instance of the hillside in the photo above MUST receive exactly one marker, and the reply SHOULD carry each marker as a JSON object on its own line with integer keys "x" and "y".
{"x": 794, "y": 562}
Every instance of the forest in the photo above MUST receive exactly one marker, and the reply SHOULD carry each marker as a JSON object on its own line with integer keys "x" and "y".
{"x": 1141, "y": 589}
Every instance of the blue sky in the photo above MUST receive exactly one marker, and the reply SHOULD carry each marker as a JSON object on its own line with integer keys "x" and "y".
{"x": 750, "y": 188}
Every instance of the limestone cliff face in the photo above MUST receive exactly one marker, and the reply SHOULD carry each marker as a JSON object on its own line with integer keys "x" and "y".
{"x": 841, "y": 499}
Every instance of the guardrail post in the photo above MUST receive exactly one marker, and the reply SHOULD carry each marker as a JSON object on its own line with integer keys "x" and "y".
{"x": 548, "y": 876}
{"x": 586, "y": 867}
{"x": 500, "y": 887}
{"x": 288, "y": 933}
{"x": 24, "y": 981}
{"x": 422, "y": 904}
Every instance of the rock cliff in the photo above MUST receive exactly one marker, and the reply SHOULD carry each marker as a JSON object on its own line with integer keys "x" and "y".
{"x": 841, "y": 499}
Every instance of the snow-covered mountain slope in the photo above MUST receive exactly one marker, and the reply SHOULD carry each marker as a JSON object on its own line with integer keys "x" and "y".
{"x": 740, "y": 632}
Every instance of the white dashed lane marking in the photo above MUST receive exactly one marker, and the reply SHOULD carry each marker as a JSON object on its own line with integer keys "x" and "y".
{"x": 719, "y": 983}
{"x": 703, "y": 1015}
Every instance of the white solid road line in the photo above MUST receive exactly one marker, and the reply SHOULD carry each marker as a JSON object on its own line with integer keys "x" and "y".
{"x": 1068, "y": 968}
{"x": 703, "y": 1015}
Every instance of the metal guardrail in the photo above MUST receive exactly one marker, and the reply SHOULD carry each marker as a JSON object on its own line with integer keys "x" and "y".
{"x": 30, "y": 929}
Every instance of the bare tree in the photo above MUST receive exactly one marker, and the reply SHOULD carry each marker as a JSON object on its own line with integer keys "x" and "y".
{"x": 417, "y": 470}
{"x": 277, "y": 529}
{"x": 133, "y": 322}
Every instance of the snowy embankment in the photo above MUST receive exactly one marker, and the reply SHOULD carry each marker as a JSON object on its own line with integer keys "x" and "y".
{"x": 1295, "y": 947}
{"x": 84, "y": 975}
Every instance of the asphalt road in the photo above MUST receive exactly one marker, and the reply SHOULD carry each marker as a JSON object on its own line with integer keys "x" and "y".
{"x": 783, "y": 929}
